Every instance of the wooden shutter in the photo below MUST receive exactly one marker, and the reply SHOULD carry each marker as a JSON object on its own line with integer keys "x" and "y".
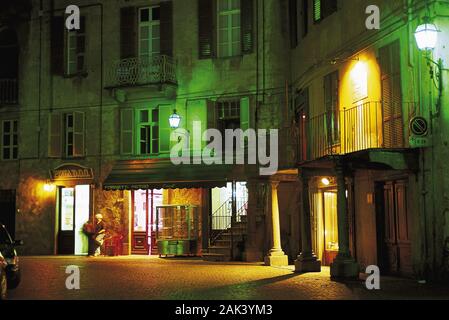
{"x": 245, "y": 113}
{"x": 206, "y": 29}
{"x": 212, "y": 115}
{"x": 293, "y": 17}
{"x": 57, "y": 45}
{"x": 128, "y": 32}
{"x": 246, "y": 7}
{"x": 165, "y": 111}
{"x": 54, "y": 135}
{"x": 127, "y": 131}
{"x": 167, "y": 28}
{"x": 304, "y": 17}
{"x": 393, "y": 130}
{"x": 81, "y": 44}
{"x": 317, "y": 10}
{"x": 331, "y": 104}
{"x": 78, "y": 134}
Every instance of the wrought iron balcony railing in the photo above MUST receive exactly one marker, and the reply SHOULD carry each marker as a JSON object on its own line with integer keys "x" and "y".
{"x": 372, "y": 125}
{"x": 9, "y": 91}
{"x": 159, "y": 69}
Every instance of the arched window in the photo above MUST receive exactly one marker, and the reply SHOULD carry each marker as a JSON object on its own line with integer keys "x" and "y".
{"x": 9, "y": 66}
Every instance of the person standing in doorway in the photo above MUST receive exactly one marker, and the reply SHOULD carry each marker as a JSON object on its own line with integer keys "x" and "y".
{"x": 100, "y": 233}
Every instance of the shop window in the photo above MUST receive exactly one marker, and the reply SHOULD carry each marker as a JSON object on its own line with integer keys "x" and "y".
{"x": 10, "y": 144}
{"x": 323, "y": 9}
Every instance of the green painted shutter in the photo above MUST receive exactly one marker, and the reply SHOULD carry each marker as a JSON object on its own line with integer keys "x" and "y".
{"x": 317, "y": 15}
{"x": 245, "y": 113}
{"x": 78, "y": 134}
{"x": 246, "y": 9}
{"x": 54, "y": 135}
{"x": 126, "y": 131}
{"x": 165, "y": 112}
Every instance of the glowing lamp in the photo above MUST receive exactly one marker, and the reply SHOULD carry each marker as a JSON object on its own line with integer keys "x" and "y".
{"x": 49, "y": 187}
{"x": 174, "y": 120}
{"x": 426, "y": 35}
{"x": 325, "y": 181}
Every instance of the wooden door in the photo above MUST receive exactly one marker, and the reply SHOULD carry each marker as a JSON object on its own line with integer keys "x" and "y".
{"x": 396, "y": 249}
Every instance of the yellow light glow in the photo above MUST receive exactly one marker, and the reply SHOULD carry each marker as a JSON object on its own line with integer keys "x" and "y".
{"x": 325, "y": 181}
{"x": 359, "y": 76}
{"x": 49, "y": 187}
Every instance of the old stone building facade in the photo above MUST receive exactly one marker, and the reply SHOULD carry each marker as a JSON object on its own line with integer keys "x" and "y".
{"x": 87, "y": 112}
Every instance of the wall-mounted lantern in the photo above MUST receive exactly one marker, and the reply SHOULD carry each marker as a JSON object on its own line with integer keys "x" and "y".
{"x": 174, "y": 120}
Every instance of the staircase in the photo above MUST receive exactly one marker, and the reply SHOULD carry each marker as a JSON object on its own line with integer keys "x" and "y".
{"x": 228, "y": 244}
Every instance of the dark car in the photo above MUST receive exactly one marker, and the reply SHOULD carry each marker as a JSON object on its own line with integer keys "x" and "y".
{"x": 8, "y": 251}
{"x": 3, "y": 280}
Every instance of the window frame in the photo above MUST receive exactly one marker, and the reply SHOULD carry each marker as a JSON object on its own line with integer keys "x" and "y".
{"x": 67, "y": 130}
{"x": 149, "y": 125}
{"x": 150, "y": 23}
{"x": 230, "y": 29}
{"x": 12, "y": 133}
{"x": 75, "y": 35}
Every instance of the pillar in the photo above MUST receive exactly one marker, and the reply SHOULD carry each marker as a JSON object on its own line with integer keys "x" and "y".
{"x": 344, "y": 265}
{"x": 307, "y": 261}
{"x": 275, "y": 257}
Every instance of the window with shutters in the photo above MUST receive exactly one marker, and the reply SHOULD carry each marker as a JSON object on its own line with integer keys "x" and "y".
{"x": 74, "y": 135}
{"x": 323, "y": 8}
{"x": 10, "y": 143}
{"x": 149, "y": 32}
{"x": 229, "y": 28}
{"x": 75, "y": 49}
{"x": 331, "y": 97}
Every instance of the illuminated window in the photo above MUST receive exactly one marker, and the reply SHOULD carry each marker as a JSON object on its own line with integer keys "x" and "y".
{"x": 229, "y": 28}
{"x": 10, "y": 143}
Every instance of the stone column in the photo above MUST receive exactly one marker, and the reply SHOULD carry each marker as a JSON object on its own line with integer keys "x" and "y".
{"x": 276, "y": 257}
{"x": 307, "y": 261}
{"x": 344, "y": 265}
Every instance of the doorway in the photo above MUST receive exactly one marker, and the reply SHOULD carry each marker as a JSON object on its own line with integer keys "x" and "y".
{"x": 8, "y": 210}
{"x": 393, "y": 228}
{"x": 144, "y": 204}
{"x": 74, "y": 212}
{"x": 325, "y": 237}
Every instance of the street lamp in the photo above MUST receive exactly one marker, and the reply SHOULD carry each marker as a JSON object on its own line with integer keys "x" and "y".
{"x": 426, "y": 35}
{"x": 174, "y": 120}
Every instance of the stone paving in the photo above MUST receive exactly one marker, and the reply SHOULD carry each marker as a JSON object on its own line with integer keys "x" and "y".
{"x": 185, "y": 279}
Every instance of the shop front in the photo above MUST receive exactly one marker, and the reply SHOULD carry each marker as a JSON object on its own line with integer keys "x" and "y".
{"x": 172, "y": 203}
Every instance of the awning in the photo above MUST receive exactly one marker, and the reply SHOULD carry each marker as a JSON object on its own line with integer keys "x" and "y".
{"x": 163, "y": 174}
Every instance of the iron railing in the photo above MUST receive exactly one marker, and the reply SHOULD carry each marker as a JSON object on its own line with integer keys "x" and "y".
{"x": 370, "y": 125}
{"x": 159, "y": 69}
{"x": 9, "y": 91}
{"x": 222, "y": 220}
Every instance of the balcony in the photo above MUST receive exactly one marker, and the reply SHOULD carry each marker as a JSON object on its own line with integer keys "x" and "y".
{"x": 9, "y": 91}
{"x": 135, "y": 72}
{"x": 372, "y": 125}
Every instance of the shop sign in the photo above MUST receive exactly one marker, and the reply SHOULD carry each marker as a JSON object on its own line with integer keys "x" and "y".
{"x": 71, "y": 171}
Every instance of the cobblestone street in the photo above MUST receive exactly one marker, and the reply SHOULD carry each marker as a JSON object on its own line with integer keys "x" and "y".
{"x": 154, "y": 278}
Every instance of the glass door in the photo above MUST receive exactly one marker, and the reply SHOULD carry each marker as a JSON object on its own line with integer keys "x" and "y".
{"x": 140, "y": 222}
{"x": 73, "y": 214}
